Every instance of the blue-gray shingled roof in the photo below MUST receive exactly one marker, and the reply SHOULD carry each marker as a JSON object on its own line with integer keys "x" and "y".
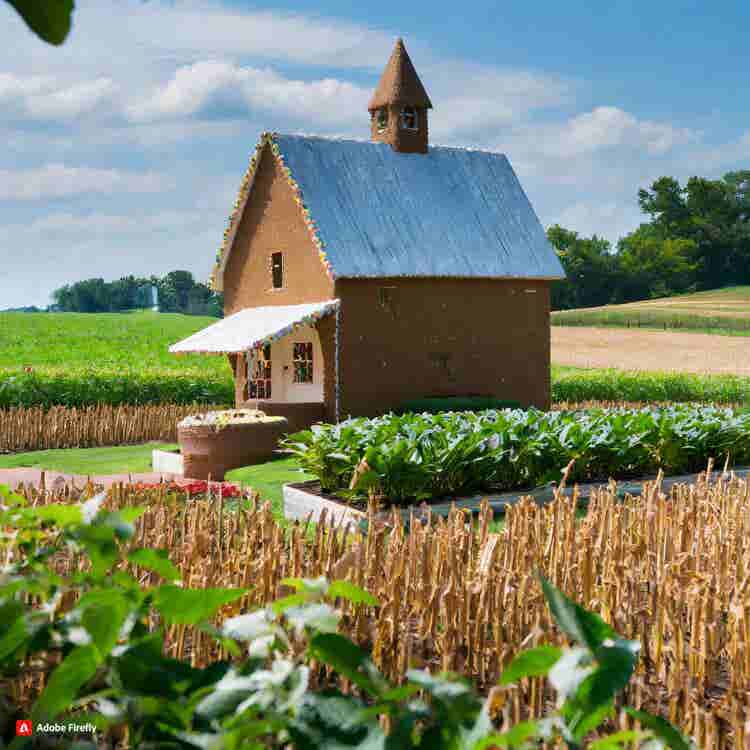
{"x": 450, "y": 212}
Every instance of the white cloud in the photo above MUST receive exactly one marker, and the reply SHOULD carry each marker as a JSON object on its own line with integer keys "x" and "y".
{"x": 49, "y": 98}
{"x": 195, "y": 87}
{"x": 58, "y": 181}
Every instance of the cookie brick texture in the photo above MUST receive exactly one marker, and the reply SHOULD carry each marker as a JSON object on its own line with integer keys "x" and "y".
{"x": 442, "y": 337}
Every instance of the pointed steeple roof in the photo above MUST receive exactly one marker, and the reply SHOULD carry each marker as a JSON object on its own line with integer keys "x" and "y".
{"x": 399, "y": 83}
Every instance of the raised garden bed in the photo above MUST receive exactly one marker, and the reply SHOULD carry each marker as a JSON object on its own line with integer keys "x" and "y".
{"x": 303, "y": 500}
{"x": 216, "y": 442}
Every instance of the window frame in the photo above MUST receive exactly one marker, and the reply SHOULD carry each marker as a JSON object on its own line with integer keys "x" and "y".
{"x": 257, "y": 359}
{"x": 272, "y": 263}
{"x": 382, "y": 116}
{"x": 403, "y": 115}
{"x": 307, "y": 361}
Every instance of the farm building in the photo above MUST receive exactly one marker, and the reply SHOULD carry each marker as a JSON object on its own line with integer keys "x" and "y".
{"x": 360, "y": 274}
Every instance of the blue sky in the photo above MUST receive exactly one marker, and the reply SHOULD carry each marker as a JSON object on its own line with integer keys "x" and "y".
{"x": 124, "y": 149}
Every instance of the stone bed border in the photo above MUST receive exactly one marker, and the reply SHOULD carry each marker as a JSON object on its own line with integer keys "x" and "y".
{"x": 300, "y": 503}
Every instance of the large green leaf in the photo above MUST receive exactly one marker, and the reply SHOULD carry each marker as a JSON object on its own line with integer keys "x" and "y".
{"x": 661, "y": 728}
{"x": 348, "y": 659}
{"x": 78, "y": 667}
{"x": 103, "y": 617}
{"x": 531, "y": 663}
{"x": 354, "y": 594}
{"x": 156, "y": 560}
{"x": 48, "y": 19}
{"x": 191, "y": 606}
{"x": 579, "y": 624}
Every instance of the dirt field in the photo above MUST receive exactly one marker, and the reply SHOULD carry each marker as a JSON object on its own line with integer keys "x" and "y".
{"x": 628, "y": 349}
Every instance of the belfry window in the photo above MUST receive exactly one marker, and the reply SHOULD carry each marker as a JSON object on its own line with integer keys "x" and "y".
{"x": 409, "y": 119}
{"x": 382, "y": 119}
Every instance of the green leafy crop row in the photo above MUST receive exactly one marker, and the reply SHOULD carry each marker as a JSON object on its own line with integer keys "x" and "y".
{"x": 420, "y": 456}
{"x": 572, "y": 384}
{"x": 113, "y": 386}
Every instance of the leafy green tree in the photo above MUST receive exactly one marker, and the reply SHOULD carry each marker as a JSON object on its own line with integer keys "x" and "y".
{"x": 50, "y": 20}
{"x": 591, "y": 270}
{"x": 654, "y": 266}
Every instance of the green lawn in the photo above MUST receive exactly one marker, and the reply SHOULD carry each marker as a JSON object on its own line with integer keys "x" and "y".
{"x": 119, "y": 459}
{"x": 267, "y": 478}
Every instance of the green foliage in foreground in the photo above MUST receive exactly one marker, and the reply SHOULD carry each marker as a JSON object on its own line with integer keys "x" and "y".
{"x": 50, "y": 20}
{"x": 110, "y": 669}
{"x": 420, "y": 456}
{"x": 576, "y": 385}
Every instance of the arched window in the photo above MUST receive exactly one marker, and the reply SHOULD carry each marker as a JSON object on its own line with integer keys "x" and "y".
{"x": 409, "y": 119}
{"x": 382, "y": 118}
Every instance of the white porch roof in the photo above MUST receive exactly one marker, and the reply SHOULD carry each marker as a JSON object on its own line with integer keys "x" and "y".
{"x": 253, "y": 327}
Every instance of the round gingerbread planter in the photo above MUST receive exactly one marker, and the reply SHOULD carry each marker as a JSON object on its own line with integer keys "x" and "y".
{"x": 210, "y": 451}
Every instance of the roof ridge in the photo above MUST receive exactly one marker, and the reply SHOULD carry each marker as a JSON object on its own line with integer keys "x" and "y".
{"x": 349, "y": 139}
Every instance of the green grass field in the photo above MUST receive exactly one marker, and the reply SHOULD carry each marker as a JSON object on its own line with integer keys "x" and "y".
{"x": 79, "y": 359}
{"x": 723, "y": 311}
{"x": 114, "y": 358}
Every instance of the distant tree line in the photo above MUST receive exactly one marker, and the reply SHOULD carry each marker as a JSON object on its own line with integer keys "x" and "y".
{"x": 177, "y": 291}
{"x": 697, "y": 237}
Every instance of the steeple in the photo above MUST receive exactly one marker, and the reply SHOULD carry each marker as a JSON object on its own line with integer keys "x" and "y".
{"x": 398, "y": 108}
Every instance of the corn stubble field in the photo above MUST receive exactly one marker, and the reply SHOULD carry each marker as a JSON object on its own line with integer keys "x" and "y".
{"x": 671, "y": 571}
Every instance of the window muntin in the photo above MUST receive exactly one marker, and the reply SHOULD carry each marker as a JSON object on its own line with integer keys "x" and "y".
{"x": 277, "y": 270}
{"x": 259, "y": 380}
{"x": 409, "y": 119}
{"x": 303, "y": 362}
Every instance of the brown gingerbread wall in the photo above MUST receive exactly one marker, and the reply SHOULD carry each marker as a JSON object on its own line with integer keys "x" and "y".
{"x": 272, "y": 222}
{"x": 442, "y": 337}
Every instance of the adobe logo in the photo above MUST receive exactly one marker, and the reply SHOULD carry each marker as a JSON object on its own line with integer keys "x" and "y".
{"x": 23, "y": 728}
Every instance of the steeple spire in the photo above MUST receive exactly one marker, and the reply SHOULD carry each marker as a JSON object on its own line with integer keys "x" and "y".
{"x": 398, "y": 108}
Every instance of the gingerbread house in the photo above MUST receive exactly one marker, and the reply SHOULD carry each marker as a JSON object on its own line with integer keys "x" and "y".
{"x": 361, "y": 274}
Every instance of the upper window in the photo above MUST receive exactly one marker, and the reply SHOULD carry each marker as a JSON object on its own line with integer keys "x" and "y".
{"x": 277, "y": 270}
{"x": 409, "y": 119}
{"x": 382, "y": 117}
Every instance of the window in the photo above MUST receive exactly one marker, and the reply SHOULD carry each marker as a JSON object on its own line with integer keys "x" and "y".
{"x": 387, "y": 299}
{"x": 259, "y": 366}
{"x": 382, "y": 117}
{"x": 277, "y": 270}
{"x": 303, "y": 362}
{"x": 409, "y": 119}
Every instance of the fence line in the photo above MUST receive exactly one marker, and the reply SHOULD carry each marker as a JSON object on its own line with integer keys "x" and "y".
{"x": 36, "y": 428}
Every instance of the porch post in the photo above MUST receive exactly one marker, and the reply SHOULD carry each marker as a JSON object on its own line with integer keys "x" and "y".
{"x": 337, "y": 358}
